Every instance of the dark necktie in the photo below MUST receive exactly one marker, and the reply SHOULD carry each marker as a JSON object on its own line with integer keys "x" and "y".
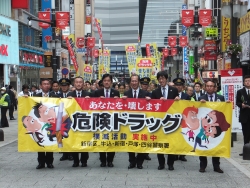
{"x": 248, "y": 93}
{"x": 135, "y": 94}
{"x": 78, "y": 94}
{"x": 211, "y": 98}
{"x": 164, "y": 92}
{"x": 107, "y": 93}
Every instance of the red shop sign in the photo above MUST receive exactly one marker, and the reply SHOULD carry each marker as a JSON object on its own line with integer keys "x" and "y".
{"x": 205, "y": 17}
{"x": 187, "y": 17}
{"x": 210, "y": 55}
{"x": 210, "y": 45}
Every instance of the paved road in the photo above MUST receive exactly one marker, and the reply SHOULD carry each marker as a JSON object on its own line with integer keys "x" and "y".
{"x": 18, "y": 170}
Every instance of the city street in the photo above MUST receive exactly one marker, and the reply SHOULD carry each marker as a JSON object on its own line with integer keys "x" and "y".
{"x": 19, "y": 170}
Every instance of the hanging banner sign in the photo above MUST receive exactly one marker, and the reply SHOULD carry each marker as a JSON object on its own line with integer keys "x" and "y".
{"x": 148, "y": 51}
{"x": 231, "y": 82}
{"x": 205, "y": 17}
{"x": 80, "y": 42}
{"x": 87, "y": 72}
{"x": 91, "y": 42}
{"x": 172, "y": 41}
{"x": 96, "y": 53}
{"x": 174, "y": 51}
{"x": 45, "y": 16}
{"x": 165, "y": 52}
{"x": 62, "y": 19}
{"x": 210, "y": 45}
{"x": 72, "y": 55}
{"x": 187, "y": 17}
{"x": 183, "y": 41}
{"x": 118, "y": 125}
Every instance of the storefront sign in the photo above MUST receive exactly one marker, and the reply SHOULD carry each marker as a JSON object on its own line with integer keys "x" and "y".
{"x": 29, "y": 57}
{"x": 46, "y": 72}
{"x": 9, "y": 47}
{"x": 209, "y": 74}
{"x": 210, "y": 55}
{"x": 244, "y": 42}
{"x": 245, "y": 23}
{"x": 4, "y": 50}
{"x": 211, "y": 32}
{"x": 48, "y": 60}
{"x": 231, "y": 82}
{"x": 225, "y": 32}
{"x": 209, "y": 44}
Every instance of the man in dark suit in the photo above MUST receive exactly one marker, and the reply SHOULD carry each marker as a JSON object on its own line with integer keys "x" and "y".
{"x": 165, "y": 92}
{"x": 135, "y": 92}
{"x": 55, "y": 88}
{"x": 179, "y": 85}
{"x": 107, "y": 92}
{"x": 144, "y": 86}
{"x": 44, "y": 157}
{"x": 64, "y": 85}
{"x": 243, "y": 102}
{"x": 197, "y": 91}
{"x": 79, "y": 93}
{"x": 212, "y": 97}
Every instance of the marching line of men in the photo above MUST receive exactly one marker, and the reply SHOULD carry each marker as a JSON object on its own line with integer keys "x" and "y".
{"x": 163, "y": 92}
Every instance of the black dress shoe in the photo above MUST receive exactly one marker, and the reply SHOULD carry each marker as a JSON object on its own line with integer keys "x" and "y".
{"x": 103, "y": 165}
{"x": 63, "y": 158}
{"x": 40, "y": 166}
{"x": 75, "y": 165}
{"x": 50, "y": 165}
{"x": 84, "y": 164}
{"x": 218, "y": 170}
{"x": 131, "y": 166}
{"x": 182, "y": 158}
{"x": 139, "y": 166}
{"x": 12, "y": 119}
{"x": 170, "y": 167}
{"x": 71, "y": 158}
{"x": 110, "y": 164}
{"x": 241, "y": 154}
{"x": 161, "y": 167}
{"x": 147, "y": 158}
{"x": 202, "y": 170}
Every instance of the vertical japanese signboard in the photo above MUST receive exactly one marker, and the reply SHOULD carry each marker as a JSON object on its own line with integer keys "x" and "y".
{"x": 131, "y": 58}
{"x": 144, "y": 66}
{"x": 231, "y": 82}
{"x": 156, "y": 67}
{"x": 87, "y": 72}
{"x": 225, "y": 33}
{"x": 185, "y": 58}
{"x": 104, "y": 62}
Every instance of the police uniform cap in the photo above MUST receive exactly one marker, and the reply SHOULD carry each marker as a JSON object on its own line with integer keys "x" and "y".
{"x": 145, "y": 80}
{"x": 64, "y": 82}
{"x": 179, "y": 81}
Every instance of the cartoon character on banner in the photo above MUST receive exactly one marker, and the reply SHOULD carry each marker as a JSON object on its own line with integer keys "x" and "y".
{"x": 197, "y": 128}
{"x": 47, "y": 124}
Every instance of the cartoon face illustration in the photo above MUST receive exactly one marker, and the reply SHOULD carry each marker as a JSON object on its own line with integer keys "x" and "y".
{"x": 44, "y": 113}
{"x": 209, "y": 121}
{"x": 190, "y": 119}
{"x": 31, "y": 124}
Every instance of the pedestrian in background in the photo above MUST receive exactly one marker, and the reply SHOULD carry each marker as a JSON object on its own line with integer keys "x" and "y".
{"x": 4, "y": 105}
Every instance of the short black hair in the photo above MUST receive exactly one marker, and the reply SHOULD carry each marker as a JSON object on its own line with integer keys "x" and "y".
{"x": 25, "y": 86}
{"x": 246, "y": 76}
{"x": 88, "y": 82}
{"x": 34, "y": 86}
{"x": 107, "y": 75}
{"x": 55, "y": 82}
{"x": 79, "y": 77}
{"x": 44, "y": 79}
{"x": 162, "y": 73}
{"x": 218, "y": 130}
{"x": 36, "y": 109}
{"x": 121, "y": 84}
{"x": 198, "y": 84}
{"x": 10, "y": 86}
{"x": 135, "y": 75}
{"x": 211, "y": 81}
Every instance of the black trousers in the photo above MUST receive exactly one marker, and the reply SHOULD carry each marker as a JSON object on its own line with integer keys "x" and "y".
{"x": 11, "y": 111}
{"x": 84, "y": 157}
{"x": 215, "y": 161}
{"x": 246, "y": 132}
{"x": 4, "y": 120}
{"x": 106, "y": 156}
{"x": 170, "y": 161}
{"x": 67, "y": 154}
{"x": 136, "y": 160}
{"x": 45, "y": 157}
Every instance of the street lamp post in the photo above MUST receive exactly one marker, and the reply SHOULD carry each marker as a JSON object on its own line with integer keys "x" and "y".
{"x": 234, "y": 9}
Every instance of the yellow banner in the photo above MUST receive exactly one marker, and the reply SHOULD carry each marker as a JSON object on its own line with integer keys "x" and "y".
{"x": 131, "y": 58}
{"x": 144, "y": 66}
{"x": 225, "y": 33}
{"x": 104, "y": 62}
{"x": 245, "y": 23}
{"x": 87, "y": 72}
{"x": 131, "y": 125}
{"x": 157, "y": 64}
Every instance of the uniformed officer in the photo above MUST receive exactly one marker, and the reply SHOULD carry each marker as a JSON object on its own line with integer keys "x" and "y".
{"x": 144, "y": 86}
{"x": 65, "y": 85}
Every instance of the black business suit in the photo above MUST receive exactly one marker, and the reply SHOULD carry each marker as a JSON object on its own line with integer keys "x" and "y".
{"x": 84, "y": 155}
{"x": 106, "y": 156}
{"x": 138, "y": 160}
{"x": 172, "y": 94}
{"x": 203, "y": 159}
{"x": 195, "y": 96}
{"x": 244, "y": 118}
{"x": 45, "y": 157}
